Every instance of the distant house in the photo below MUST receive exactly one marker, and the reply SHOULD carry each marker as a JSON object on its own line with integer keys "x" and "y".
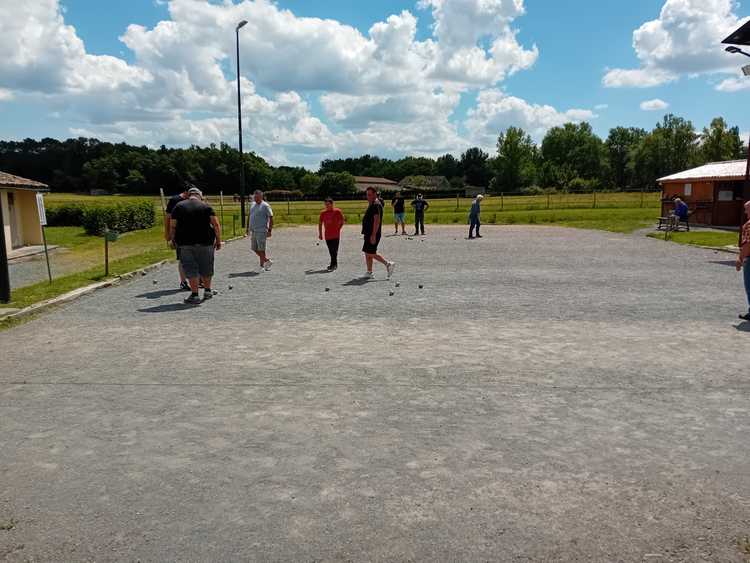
{"x": 426, "y": 183}
{"x": 713, "y": 192}
{"x": 380, "y": 184}
{"x": 20, "y": 213}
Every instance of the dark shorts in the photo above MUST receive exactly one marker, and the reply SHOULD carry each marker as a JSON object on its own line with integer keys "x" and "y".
{"x": 368, "y": 248}
{"x": 197, "y": 260}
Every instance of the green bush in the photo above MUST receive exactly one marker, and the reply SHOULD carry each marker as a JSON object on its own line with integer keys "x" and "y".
{"x": 66, "y": 215}
{"x": 121, "y": 217}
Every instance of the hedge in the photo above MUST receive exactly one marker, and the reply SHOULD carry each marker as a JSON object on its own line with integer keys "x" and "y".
{"x": 122, "y": 217}
{"x": 66, "y": 215}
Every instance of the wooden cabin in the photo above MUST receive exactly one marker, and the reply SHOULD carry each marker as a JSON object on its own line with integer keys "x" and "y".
{"x": 714, "y": 192}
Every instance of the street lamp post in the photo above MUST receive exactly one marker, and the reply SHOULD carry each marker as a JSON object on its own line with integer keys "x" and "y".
{"x": 240, "y": 25}
{"x": 741, "y": 36}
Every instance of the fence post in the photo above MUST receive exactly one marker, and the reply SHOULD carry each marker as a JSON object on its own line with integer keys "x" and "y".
{"x": 234, "y": 224}
{"x": 106, "y": 251}
{"x": 457, "y": 204}
{"x": 502, "y": 203}
{"x": 593, "y": 192}
{"x": 547, "y": 201}
{"x": 641, "y": 197}
{"x": 288, "y": 207}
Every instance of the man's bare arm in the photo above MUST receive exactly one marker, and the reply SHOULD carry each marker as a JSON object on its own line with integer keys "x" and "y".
{"x": 217, "y": 229}
{"x": 375, "y": 227}
{"x": 270, "y": 225}
{"x": 172, "y": 230}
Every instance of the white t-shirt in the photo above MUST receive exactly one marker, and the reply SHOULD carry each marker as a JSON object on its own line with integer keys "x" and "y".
{"x": 259, "y": 215}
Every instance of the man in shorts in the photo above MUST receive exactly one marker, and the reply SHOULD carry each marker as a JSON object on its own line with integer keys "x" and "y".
{"x": 372, "y": 224}
{"x": 171, "y": 203}
{"x": 743, "y": 261}
{"x": 399, "y": 212}
{"x": 195, "y": 230}
{"x": 333, "y": 220}
{"x": 259, "y": 228}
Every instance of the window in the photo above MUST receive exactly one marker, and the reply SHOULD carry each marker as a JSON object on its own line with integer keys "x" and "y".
{"x": 688, "y": 190}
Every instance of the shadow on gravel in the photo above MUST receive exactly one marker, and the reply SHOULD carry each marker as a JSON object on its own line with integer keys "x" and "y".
{"x": 723, "y": 262}
{"x": 160, "y": 293}
{"x": 244, "y": 275}
{"x": 743, "y": 326}
{"x": 315, "y": 272}
{"x": 361, "y": 281}
{"x": 166, "y": 308}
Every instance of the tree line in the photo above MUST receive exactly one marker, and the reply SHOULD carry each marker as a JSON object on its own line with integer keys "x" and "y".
{"x": 570, "y": 157}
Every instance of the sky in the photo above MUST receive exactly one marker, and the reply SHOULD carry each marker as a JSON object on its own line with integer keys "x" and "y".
{"x": 340, "y": 78}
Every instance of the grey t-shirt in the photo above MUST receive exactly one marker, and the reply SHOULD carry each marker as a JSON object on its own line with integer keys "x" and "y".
{"x": 259, "y": 215}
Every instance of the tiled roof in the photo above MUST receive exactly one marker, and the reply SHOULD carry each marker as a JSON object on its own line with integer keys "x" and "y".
{"x": 728, "y": 170}
{"x": 11, "y": 181}
{"x": 372, "y": 180}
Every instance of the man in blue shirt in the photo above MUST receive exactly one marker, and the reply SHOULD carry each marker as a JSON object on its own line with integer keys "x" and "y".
{"x": 420, "y": 205}
{"x": 474, "y": 216}
{"x": 681, "y": 209}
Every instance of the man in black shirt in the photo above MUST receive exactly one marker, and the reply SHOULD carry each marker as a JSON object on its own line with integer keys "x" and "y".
{"x": 173, "y": 201}
{"x": 372, "y": 224}
{"x": 195, "y": 230}
{"x": 419, "y": 205}
{"x": 399, "y": 212}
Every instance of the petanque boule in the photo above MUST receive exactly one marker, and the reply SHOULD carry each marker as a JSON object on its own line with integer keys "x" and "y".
{"x": 421, "y": 286}
{"x": 391, "y": 293}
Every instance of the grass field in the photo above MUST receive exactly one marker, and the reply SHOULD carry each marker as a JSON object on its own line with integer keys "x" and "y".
{"x": 701, "y": 238}
{"x": 83, "y": 261}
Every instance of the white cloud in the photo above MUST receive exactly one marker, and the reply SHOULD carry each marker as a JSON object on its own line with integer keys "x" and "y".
{"x": 734, "y": 84}
{"x": 654, "y": 105}
{"x": 381, "y": 91}
{"x": 496, "y": 111}
{"x": 601, "y": 106}
{"x": 683, "y": 40}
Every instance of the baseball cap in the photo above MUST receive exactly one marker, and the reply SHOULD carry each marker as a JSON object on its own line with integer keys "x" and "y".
{"x": 195, "y": 191}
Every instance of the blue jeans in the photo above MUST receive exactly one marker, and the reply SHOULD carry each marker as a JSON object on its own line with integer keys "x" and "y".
{"x": 746, "y": 275}
{"x": 474, "y": 222}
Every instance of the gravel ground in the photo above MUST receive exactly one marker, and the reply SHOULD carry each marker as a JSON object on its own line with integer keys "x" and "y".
{"x": 549, "y": 394}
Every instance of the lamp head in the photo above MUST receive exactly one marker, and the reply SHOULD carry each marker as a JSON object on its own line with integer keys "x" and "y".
{"x": 242, "y": 24}
{"x": 732, "y": 49}
{"x": 746, "y": 70}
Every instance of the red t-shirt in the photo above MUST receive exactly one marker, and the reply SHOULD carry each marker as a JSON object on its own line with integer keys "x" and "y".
{"x": 332, "y": 220}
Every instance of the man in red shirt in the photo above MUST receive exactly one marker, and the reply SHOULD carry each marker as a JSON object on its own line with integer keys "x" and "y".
{"x": 333, "y": 220}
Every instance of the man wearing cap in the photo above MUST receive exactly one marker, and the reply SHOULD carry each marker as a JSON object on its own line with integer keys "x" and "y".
{"x": 171, "y": 203}
{"x": 474, "y": 216}
{"x": 196, "y": 232}
{"x": 259, "y": 228}
{"x": 333, "y": 220}
{"x": 420, "y": 205}
{"x": 399, "y": 212}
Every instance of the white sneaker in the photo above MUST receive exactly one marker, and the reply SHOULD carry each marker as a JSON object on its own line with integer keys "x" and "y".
{"x": 267, "y": 265}
{"x": 390, "y": 266}
{"x": 367, "y": 276}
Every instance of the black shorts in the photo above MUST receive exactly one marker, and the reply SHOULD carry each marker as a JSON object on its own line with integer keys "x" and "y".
{"x": 369, "y": 248}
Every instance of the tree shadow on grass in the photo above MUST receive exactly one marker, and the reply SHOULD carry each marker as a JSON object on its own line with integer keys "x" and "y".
{"x": 250, "y": 274}
{"x": 159, "y": 293}
{"x": 167, "y": 307}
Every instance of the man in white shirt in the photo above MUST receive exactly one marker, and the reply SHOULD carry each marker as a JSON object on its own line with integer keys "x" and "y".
{"x": 259, "y": 228}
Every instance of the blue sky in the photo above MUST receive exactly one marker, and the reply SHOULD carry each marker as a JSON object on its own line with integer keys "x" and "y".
{"x": 578, "y": 43}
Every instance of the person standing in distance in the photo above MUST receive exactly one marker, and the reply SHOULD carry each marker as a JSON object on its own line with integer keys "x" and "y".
{"x": 372, "y": 224}
{"x": 171, "y": 203}
{"x": 259, "y": 228}
{"x": 333, "y": 220}
{"x": 196, "y": 231}
{"x": 399, "y": 213}
{"x": 474, "y": 216}
{"x": 420, "y": 205}
{"x": 743, "y": 261}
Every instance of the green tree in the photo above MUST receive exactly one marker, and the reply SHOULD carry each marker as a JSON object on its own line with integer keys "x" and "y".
{"x": 572, "y": 151}
{"x": 310, "y": 184}
{"x": 336, "y": 184}
{"x": 720, "y": 142}
{"x": 671, "y": 147}
{"x": 621, "y": 145}
{"x": 515, "y": 164}
{"x": 475, "y": 165}
{"x": 448, "y": 166}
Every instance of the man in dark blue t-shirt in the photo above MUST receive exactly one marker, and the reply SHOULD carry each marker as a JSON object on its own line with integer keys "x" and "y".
{"x": 372, "y": 228}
